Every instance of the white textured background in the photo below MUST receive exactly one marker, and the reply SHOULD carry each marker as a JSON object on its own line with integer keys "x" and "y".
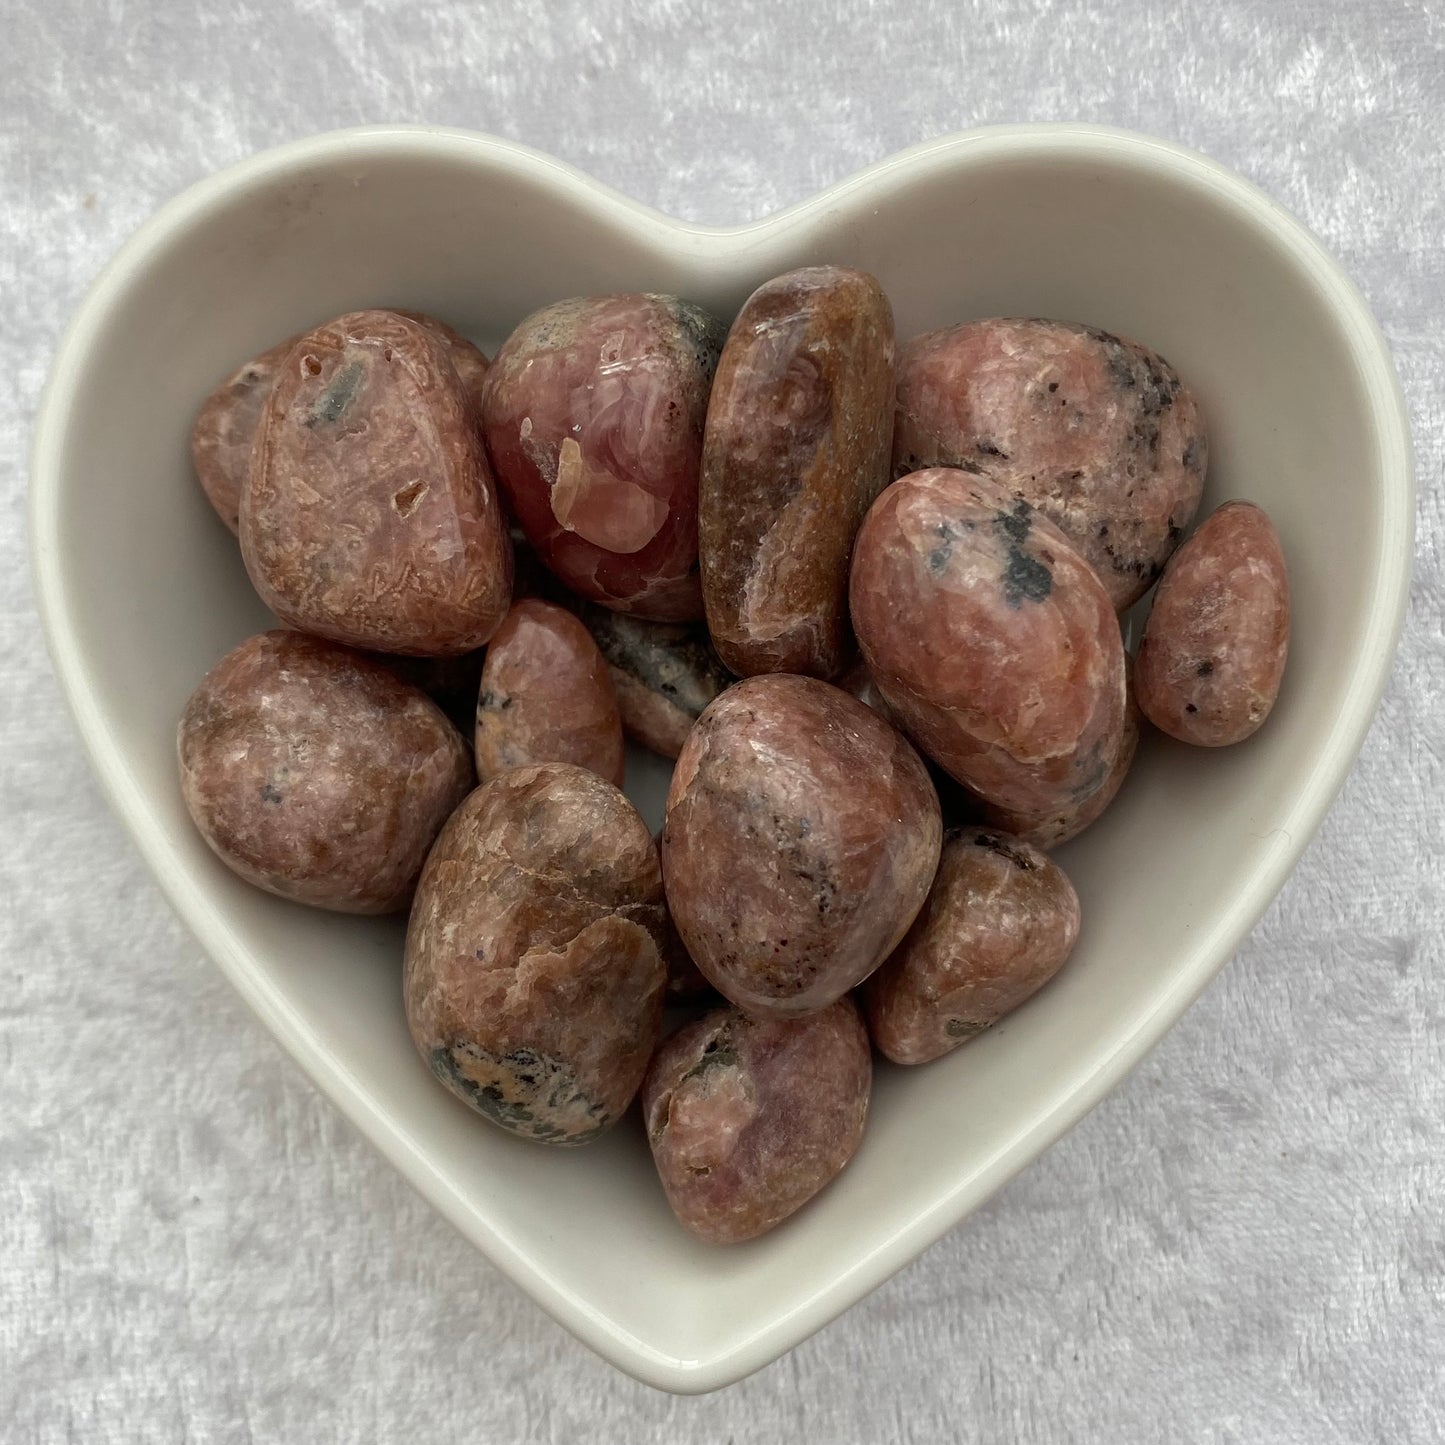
{"x": 1245, "y": 1243}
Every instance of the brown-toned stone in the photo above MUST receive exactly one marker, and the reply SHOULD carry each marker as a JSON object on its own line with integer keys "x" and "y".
{"x": 593, "y": 414}
{"x": 1095, "y": 431}
{"x": 317, "y": 775}
{"x": 545, "y": 696}
{"x": 802, "y": 833}
{"x": 999, "y": 923}
{"x": 226, "y": 424}
{"x": 225, "y": 428}
{"x": 1215, "y": 644}
{"x": 534, "y": 970}
{"x": 369, "y": 516}
{"x": 797, "y": 448}
{"x": 991, "y": 638}
{"x": 749, "y": 1118}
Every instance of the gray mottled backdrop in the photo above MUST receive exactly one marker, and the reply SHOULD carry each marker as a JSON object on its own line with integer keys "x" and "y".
{"x": 1244, "y": 1243}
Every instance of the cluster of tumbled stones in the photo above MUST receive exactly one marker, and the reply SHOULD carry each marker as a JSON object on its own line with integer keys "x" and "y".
{"x": 866, "y": 596}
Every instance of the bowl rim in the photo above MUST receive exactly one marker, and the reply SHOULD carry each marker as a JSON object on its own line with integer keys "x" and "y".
{"x": 959, "y": 152}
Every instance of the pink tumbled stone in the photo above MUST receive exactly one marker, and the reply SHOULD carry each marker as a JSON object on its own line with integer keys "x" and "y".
{"x": 593, "y": 414}
{"x": 535, "y": 972}
{"x": 991, "y": 639}
{"x": 1096, "y": 431}
{"x": 1215, "y": 644}
{"x": 316, "y": 774}
{"x": 369, "y": 515}
{"x": 546, "y": 697}
{"x": 1000, "y": 920}
{"x": 749, "y": 1118}
{"x": 802, "y": 833}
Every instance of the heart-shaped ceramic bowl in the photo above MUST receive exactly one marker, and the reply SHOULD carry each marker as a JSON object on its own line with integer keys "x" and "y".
{"x": 142, "y": 590}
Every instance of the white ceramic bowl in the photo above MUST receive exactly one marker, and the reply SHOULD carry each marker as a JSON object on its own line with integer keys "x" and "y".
{"x": 142, "y": 590}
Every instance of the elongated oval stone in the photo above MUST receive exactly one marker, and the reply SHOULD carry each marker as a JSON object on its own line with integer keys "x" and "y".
{"x": 797, "y": 448}
{"x": 1215, "y": 645}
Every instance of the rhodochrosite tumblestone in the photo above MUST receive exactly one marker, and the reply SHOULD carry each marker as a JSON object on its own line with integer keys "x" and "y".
{"x": 225, "y": 429}
{"x": 316, "y": 774}
{"x": 226, "y": 424}
{"x": 797, "y": 448}
{"x": 1000, "y": 920}
{"x": 593, "y": 414}
{"x": 1215, "y": 644}
{"x": 991, "y": 639}
{"x": 802, "y": 833}
{"x": 545, "y": 696}
{"x": 1096, "y": 432}
{"x": 535, "y": 970}
{"x": 749, "y": 1118}
{"x": 369, "y": 515}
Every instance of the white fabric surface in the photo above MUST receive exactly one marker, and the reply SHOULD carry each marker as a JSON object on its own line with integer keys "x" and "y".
{"x": 1244, "y": 1243}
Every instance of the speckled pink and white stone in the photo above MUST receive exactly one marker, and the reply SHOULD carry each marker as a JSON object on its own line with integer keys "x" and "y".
{"x": 369, "y": 515}
{"x": 991, "y": 638}
{"x": 535, "y": 971}
{"x": 1095, "y": 431}
{"x": 1215, "y": 645}
{"x": 1000, "y": 921}
{"x": 749, "y": 1118}
{"x": 316, "y": 774}
{"x": 546, "y": 697}
{"x": 802, "y": 833}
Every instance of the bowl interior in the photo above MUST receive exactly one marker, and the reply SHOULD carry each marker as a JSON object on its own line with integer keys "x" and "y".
{"x": 143, "y": 590}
